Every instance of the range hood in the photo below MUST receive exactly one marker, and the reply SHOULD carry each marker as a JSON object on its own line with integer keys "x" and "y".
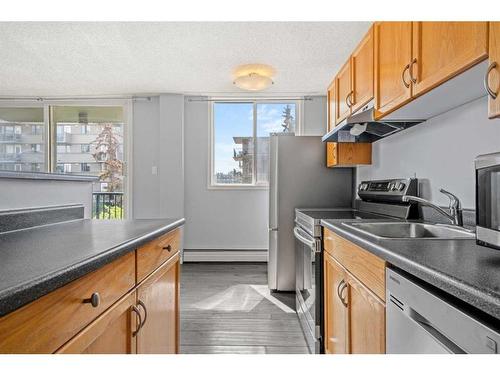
{"x": 362, "y": 127}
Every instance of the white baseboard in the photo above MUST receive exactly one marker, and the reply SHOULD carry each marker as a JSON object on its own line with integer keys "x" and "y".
{"x": 192, "y": 255}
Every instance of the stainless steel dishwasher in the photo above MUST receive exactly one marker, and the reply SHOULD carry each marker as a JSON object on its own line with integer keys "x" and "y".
{"x": 421, "y": 321}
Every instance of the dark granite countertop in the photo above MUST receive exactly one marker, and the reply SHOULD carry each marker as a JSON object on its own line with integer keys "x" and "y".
{"x": 36, "y": 261}
{"x": 461, "y": 268}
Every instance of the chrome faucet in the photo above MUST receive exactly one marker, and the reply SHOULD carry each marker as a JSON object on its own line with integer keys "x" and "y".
{"x": 455, "y": 215}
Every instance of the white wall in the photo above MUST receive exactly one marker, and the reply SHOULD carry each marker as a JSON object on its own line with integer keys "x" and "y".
{"x": 26, "y": 193}
{"x": 158, "y": 143}
{"x": 440, "y": 152}
{"x": 227, "y": 219}
{"x": 314, "y": 117}
{"x": 217, "y": 219}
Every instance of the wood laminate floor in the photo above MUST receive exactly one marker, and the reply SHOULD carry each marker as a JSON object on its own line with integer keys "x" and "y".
{"x": 227, "y": 308}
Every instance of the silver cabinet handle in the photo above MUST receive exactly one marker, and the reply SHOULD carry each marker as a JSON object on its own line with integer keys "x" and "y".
{"x": 407, "y": 67}
{"x": 344, "y": 287}
{"x": 138, "y": 313}
{"x": 347, "y": 100}
{"x": 410, "y": 70}
{"x": 94, "y": 300}
{"x": 338, "y": 288}
{"x": 145, "y": 313}
{"x": 490, "y": 92}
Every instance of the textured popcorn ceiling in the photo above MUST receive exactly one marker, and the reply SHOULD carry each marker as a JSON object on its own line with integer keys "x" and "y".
{"x": 49, "y": 59}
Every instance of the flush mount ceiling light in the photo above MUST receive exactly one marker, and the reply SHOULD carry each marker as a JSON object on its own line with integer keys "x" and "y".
{"x": 253, "y": 77}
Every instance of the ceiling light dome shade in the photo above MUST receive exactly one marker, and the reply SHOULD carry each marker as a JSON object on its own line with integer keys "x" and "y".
{"x": 253, "y": 82}
{"x": 253, "y": 77}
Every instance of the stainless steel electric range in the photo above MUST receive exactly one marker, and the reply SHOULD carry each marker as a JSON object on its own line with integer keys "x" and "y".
{"x": 380, "y": 199}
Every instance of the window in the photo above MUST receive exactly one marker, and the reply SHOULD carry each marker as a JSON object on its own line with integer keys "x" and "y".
{"x": 69, "y": 139}
{"x": 22, "y": 149}
{"x": 240, "y": 140}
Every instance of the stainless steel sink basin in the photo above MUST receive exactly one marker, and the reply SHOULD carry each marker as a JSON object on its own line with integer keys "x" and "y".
{"x": 397, "y": 230}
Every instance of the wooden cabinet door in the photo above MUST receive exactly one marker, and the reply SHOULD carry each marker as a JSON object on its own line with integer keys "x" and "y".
{"x": 392, "y": 56}
{"x": 343, "y": 92}
{"x": 159, "y": 296}
{"x": 110, "y": 333}
{"x": 362, "y": 72}
{"x": 330, "y": 114}
{"x": 494, "y": 72}
{"x": 366, "y": 319}
{"x": 335, "y": 311}
{"x": 442, "y": 50}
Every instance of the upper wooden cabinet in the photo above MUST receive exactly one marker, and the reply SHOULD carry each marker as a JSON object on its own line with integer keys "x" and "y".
{"x": 348, "y": 154}
{"x": 352, "y": 87}
{"x": 493, "y": 74}
{"x": 330, "y": 106}
{"x": 392, "y": 63}
{"x": 412, "y": 58}
{"x": 362, "y": 72}
{"x": 441, "y": 50}
{"x": 343, "y": 93}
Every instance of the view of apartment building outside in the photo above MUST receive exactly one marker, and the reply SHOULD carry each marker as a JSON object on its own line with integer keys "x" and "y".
{"x": 85, "y": 141}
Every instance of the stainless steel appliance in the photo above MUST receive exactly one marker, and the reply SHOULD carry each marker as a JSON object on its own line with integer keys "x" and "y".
{"x": 422, "y": 321}
{"x": 298, "y": 178}
{"x": 488, "y": 200}
{"x": 309, "y": 251}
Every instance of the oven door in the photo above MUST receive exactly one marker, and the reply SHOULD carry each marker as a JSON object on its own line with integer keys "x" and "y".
{"x": 488, "y": 205}
{"x": 307, "y": 286}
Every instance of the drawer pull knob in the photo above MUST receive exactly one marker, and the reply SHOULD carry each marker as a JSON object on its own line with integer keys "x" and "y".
{"x": 94, "y": 300}
{"x": 168, "y": 248}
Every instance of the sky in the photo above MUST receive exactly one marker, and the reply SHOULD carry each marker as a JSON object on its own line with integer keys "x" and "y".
{"x": 236, "y": 119}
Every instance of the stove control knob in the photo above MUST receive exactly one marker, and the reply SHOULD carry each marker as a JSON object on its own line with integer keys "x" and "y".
{"x": 401, "y": 186}
{"x": 363, "y": 187}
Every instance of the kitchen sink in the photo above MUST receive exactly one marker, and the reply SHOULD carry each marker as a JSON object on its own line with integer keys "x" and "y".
{"x": 396, "y": 230}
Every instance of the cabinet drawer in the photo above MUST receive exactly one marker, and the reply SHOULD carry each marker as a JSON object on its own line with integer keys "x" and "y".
{"x": 47, "y": 323}
{"x": 365, "y": 266}
{"x": 154, "y": 253}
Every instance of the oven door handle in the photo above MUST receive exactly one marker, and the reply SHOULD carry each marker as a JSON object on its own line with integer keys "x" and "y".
{"x": 309, "y": 242}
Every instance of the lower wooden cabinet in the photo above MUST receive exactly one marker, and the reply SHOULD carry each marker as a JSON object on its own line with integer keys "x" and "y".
{"x": 354, "y": 313}
{"x": 129, "y": 317}
{"x": 335, "y": 311}
{"x": 112, "y": 333}
{"x": 348, "y": 154}
{"x": 159, "y": 297}
{"x": 366, "y": 319}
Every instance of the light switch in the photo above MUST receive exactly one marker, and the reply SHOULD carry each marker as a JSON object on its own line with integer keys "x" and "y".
{"x": 154, "y": 170}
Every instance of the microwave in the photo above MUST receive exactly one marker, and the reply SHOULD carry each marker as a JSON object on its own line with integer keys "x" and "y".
{"x": 488, "y": 200}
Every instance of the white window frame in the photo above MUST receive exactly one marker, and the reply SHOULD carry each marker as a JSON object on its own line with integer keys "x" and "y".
{"x": 212, "y": 185}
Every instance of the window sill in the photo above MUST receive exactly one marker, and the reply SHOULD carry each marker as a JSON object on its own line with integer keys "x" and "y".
{"x": 238, "y": 187}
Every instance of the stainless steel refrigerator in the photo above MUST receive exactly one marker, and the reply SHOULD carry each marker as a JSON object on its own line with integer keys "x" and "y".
{"x": 298, "y": 178}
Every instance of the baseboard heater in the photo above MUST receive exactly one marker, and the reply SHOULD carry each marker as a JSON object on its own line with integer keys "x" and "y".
{"x": 224, "y": 255}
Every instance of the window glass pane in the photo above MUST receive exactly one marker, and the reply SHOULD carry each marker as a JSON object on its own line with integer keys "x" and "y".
{"x": 233, "y": 143}
{"x": 271, "y": 118}
{"x": 22, "y": 139}
{"x": 89, "y": 141}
